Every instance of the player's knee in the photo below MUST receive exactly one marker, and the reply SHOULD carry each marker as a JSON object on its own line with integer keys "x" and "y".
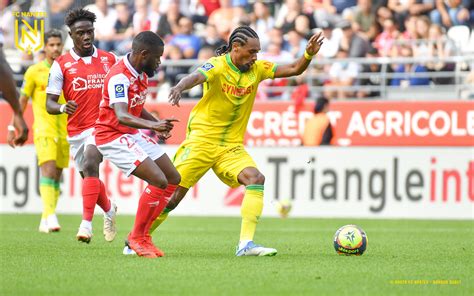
{"x": 91, "y": 168}
{"x": 158, "y": 181}
{"x": 175, "y": 178}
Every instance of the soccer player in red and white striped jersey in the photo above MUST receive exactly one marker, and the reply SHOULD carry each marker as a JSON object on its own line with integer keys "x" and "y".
{"x": 80, "y": 74}
{"x": 119, "y": 140}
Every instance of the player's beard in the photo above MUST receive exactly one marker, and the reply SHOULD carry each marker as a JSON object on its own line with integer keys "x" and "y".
{"x": 244, "y": 68}
{"x": 150, "y": 72}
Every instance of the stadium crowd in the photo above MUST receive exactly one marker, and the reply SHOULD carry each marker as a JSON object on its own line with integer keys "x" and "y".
{"x": 193, "y": 29}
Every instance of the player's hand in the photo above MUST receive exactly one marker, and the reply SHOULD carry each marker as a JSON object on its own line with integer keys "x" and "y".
{"x": 314, "y": 43}
{"x": 21, "y": 130}
{"x": 11, "y": 138}
{"x": 71, "y": 107}
{"x": 164, "y": 125}
{"x": 174, "y": 96}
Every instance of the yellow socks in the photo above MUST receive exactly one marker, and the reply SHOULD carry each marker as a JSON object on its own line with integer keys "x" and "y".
{"x": 161, "y": 218}
{"x": 251, "y": 210}
{"x": 48, "y": 196}
{"x": 57, "y": 192}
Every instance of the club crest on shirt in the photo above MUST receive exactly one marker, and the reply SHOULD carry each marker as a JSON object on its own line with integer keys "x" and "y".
{"x": 207, "y": 66}
{"x": 119, "y": 91}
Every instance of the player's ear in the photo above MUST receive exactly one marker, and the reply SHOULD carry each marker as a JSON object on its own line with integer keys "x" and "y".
{"x": 236, "y": 46}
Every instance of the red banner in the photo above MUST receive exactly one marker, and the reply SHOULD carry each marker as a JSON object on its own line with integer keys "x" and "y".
{"x": 358, "y": 123}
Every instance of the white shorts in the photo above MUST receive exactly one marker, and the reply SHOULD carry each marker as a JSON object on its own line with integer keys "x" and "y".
{"x": 128, "y": 151}
{"x": 78, "y": 144}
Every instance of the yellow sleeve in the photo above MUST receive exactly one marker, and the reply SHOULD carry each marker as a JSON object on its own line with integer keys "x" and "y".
{"x": 210, "y": 69}
{"x": 28, "y": 85}
{"x": 266, "y": 69}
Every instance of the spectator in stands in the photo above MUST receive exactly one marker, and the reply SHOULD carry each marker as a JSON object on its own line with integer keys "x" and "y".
{"x": 287, "y": 15}
{"x": 374, "y": 79}
{"x": 323, "y": 11}
{"x": 407, "y": 69}
{"x": 276, "y": 37}
{"x": 423, "y": 24}
{"x": 7, "y": 20}
{"x": 364, "y": 20}
{"x": 385, "y": 40}
{"x": 400, "y": 11}
{"x": 262, "y": 22}
{"x": 344, "y": 7}
{"x": 303, "y": 26}
{"x": 342, "y": 74}
{"x": 185, "y": 39}
{"x": 106, "y": 17}
{"x": 168, "y": 23}
{"x": 410, "y": 32}
{"x": 440, "y": 47}
{"x": 332, "y": 39}
{"x": 382, "y": 13}
{"x": 173, "y": 73}
{"x": 351, "y": 42}
{"x": 318, "y": 129}
{"x": 144, "y": 18}
{"x": 123, "y": 29}
{"x": 57, "y": 12}
{"x": 296, "y": 44}
{"x": 210, "y": 6}
{"x": 450, "y": 13}
{"x": 211, "y": 38}
{"x": 420, "y": 7}
{"x": 224, "y": 17}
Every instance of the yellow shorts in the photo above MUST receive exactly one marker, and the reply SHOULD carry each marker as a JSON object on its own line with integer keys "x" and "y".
{"x": 194, "y": 158}
{"x": 49, "y": 148}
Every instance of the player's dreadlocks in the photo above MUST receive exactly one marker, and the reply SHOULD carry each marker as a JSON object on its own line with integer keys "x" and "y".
{"x": 241, "y": 35}
{"x": 79, "y": 14}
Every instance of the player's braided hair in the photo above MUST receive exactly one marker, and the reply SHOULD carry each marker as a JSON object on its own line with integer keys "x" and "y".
{"x": 79, "y": 14}
{"x": 241, "y": 35}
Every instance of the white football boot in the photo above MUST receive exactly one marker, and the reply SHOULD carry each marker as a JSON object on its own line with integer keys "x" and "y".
{"x": 110, "y": 230}
{"x": 251, "y": 249}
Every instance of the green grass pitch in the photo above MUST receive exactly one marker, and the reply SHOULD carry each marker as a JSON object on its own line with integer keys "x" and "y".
{"x": 404, "y": 257}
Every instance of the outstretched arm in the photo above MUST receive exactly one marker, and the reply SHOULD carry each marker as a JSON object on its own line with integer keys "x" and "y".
{"x": 8, "y": 89}
{"x": 161, "y": 126}
{"x": 189, "y": 81}
{"x": 12, "y": 131}
{"x": 300, "y": 65}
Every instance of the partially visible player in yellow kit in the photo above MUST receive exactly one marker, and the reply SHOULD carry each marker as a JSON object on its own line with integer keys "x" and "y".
{"x": 217, "y": 125}
{"x": 49, "y": 131}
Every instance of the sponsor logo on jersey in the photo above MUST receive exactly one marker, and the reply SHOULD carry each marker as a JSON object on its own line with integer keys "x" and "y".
{"x": 119, "y": 91}
{"x": 79, "y": 84}
{"x": 207, "y": 66}
{"x": 69, "y": 64}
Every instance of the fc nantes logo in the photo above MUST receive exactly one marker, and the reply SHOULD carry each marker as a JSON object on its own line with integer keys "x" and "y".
{"x": 29, "y": 30}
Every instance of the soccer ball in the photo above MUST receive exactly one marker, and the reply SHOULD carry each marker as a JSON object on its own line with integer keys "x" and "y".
{"x": 350, "y": 240}
{"x": 283, "y": 207}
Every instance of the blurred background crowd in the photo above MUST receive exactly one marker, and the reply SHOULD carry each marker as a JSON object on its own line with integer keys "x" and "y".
{"x": 419, "y": 38}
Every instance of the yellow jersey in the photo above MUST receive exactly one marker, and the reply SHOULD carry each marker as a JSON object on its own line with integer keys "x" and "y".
{"x": 34, "y": 86}
{"x": 221, "y": 116}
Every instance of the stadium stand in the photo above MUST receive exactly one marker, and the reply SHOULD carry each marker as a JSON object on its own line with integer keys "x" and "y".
{"x": 374, "y": 49}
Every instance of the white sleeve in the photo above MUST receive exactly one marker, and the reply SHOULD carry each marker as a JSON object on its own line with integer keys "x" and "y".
{"x": 55, "y": 80}
{"x": 117, "y": 88}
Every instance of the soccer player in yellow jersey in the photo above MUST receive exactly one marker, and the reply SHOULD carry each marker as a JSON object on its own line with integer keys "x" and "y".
{"x": 217, "y": 125}
{"x": 49, "y": 131}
